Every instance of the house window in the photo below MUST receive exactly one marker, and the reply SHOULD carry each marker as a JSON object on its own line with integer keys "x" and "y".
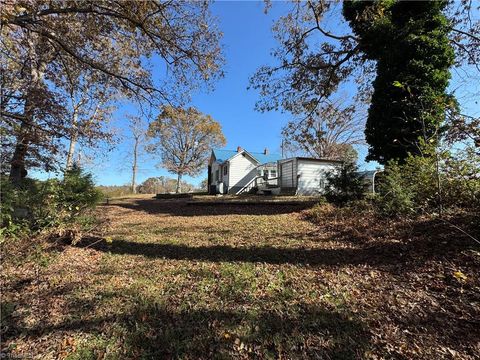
{"x": 273, "y": 173}
{"x": 225, "y": 171}
{"x": 216, "y": 175}
{"x": 259, "y": 172}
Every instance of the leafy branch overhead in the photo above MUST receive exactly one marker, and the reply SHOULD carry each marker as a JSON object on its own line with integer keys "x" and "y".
{"x": 112, "y": 37}
{"x": 380, "y": 43}
{"x": 309, "y": 70}
{"x": 115, "y": 43}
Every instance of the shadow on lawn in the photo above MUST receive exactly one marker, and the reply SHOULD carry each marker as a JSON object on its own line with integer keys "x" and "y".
{"x": 221, "y": 253}
{"x": 180, "y": 207}
{"x": 404, "y": 249}
{"x": 151, "y": 331}
{"x": 303, "y": 333}
{"x": 386, "y": 254}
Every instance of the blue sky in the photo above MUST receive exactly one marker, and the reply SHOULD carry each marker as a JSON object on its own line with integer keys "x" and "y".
{"x": 247, "y": 41}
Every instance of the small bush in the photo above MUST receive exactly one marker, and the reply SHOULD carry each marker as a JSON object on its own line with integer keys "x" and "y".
{"x": 35, "y": 205}
{"x": 395, "y": 197}
{"x": 426, "y": 184}
{"x": 345, "y": 185}
{"x": 77, "y": 190}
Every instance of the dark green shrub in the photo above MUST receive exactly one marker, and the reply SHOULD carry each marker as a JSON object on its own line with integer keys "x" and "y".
{"x": 35, "y": 205}
{"x": 345, "y": 185}
{"x": 395, "y": 195}
{"x": 77, "y": 190}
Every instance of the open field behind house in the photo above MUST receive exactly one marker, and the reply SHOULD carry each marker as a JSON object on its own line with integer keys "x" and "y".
{"x": 172, "y": 279}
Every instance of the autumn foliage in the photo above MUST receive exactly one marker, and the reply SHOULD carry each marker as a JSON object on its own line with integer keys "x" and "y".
{"x": 184, "y": 138}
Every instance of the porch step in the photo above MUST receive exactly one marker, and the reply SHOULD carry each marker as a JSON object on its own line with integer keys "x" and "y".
{"x": 269, "y": 190}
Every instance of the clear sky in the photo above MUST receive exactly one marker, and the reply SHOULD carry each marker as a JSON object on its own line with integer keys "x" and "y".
{"x": 247, "y": 41}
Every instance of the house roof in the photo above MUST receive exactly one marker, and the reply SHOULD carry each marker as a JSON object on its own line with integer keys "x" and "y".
{"x": 369, "y": 173}
{"x": 314, "y": 159}
{"x": 225, "y": 155}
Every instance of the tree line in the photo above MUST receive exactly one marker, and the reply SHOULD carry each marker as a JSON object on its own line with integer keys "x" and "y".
{"x": 152, "y": 185}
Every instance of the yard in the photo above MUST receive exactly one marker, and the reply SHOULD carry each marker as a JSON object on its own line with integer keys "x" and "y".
{"x": 171, "y": 279}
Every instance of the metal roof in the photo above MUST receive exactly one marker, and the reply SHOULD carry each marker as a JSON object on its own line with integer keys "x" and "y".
{"x": 369, "y": 173}
{"x": 313, "y": 159}
{"x": 225, "y": 155}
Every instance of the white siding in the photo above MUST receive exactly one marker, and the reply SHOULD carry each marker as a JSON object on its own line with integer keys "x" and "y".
{"x": 242, "y": 169}
{"x": 311, "y": 176}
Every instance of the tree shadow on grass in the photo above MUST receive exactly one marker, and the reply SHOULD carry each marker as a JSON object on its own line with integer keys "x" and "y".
{"x": 223, "y": 253}
{"x": 304, "y": 333}
{"x": 405, "y": 250}
{"x": 184, "y": 208}
{"x": 456, "y": 331}
{"x": 143, "y": 326}
{"x": 150, "y": 331}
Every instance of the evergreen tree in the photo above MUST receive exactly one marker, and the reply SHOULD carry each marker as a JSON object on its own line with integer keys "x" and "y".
{"x": 345, "y": 184}
{"x": 409, "y": 42}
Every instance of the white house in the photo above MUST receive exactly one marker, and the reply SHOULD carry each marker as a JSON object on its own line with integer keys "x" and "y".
{"x": 236, "y": 172}
{"x": 305, "y": 176}
{"x": 240, "y": 171}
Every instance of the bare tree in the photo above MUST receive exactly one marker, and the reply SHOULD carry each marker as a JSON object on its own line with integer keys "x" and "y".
{"x": 89, "y": 109}
{"x": 138, "y": 133}
{"x": 329, "y": 132}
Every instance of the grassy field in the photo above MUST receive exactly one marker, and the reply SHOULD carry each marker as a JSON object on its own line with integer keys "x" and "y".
{"x": 171, "y": 279}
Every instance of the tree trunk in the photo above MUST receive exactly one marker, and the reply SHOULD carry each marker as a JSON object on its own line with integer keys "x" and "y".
{"x": 439, "y": 184}
{"x": 17, "y": 164}
{"x": 209, "y": 179}
{"x": 73, "y": 142}
{"x": 24, "y": 138}
{"x": 179, "y": 184}
{"x": 134, "y": 167}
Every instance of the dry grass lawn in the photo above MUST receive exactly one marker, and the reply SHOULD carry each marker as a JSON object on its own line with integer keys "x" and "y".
{"x": 168, "y": 279}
